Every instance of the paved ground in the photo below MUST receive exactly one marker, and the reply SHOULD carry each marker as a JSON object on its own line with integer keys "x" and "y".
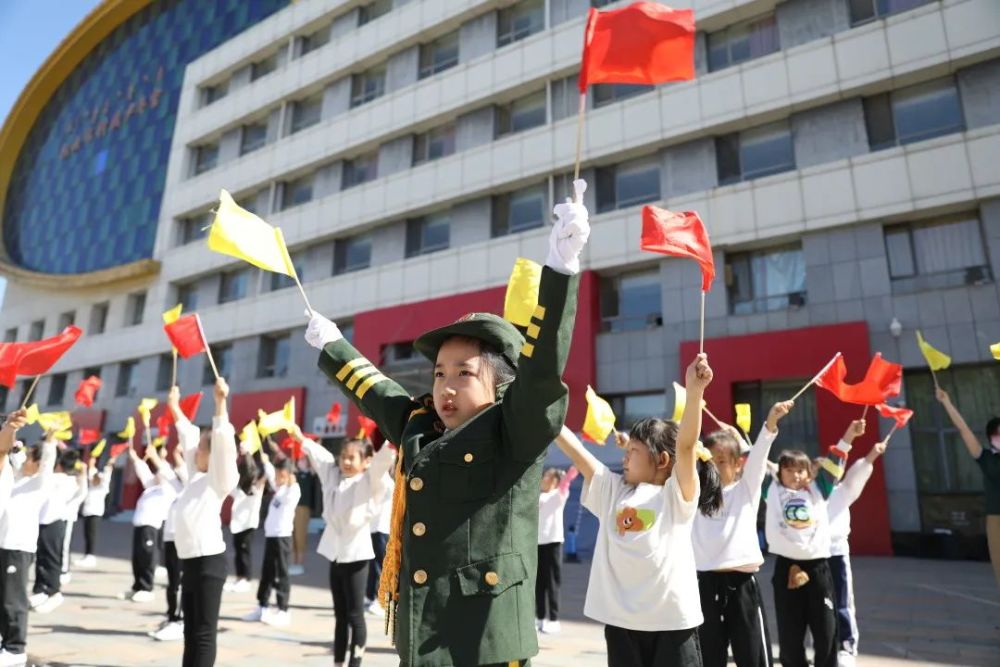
{"x": 911, "y": 611}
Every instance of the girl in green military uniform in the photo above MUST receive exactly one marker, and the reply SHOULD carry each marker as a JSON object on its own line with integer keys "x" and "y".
{"x": 458, "y": 579}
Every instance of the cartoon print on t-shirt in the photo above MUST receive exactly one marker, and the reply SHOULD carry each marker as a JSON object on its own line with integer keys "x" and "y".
{"x": 798, "y": 513}
{"x": 632, "y": 520}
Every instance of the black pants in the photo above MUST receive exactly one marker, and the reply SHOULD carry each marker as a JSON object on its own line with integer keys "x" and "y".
{"x": 347, "y": 584}
{"x": 843, "y": 587}
{"x": 201, "y": 597}
{"x": 666, "y": 648}
{"x": 173, "y": 565}
{"x": 549, "y": 580}
{"x": 810, "y": 606}
{"x": 144, "y": 554}
{"x": 48, "y": 560}
{"x": 90, "y": 526}
{"x": 274, "y": 572}
{"x": 241, "y": 553}
{"x": 379, "y": 541}
{"x": 14, "y": 568}
{"x": 734, "y": 615}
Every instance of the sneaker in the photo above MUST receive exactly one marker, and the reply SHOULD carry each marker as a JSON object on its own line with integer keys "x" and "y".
{"x": 538, "y": 624}
{"x": 257, "y": 614}
{"x": 551, "y": 627}
{"x": 13, "y": 659}
{"x": 375, "y": 609}
{"x": 279, "y": 618}
{"x": 846, "y": 659}
{"x": 169, "y": 632}
{"x": 50, "y": 604}
{"x": 241, "y": 586}
{"x": 65, "y": 578}
{"x": 142, "y": 596}
{"x": 87, "y": 562}
{"x": 37, "y": 599}
{"x": 296, "y": 570}
{"x": 126, "y": 594}
{"x": 160, "y": 572}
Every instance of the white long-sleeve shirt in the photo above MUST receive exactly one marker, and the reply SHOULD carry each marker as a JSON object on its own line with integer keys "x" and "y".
{"x": 245, "y": 514}
{"x": 382, "y": 521}
{"x": 551, "y": 505}
{"x": 167, "y": 475}
{"x": 21, "y": 501}
{"x": 728, "y": 540}
{"x": 199, "y": 527}
{"x": 839, "y": 505}
{"x": 349, "y": 503}
{"x": 153, "y": 505}
{"x": 281, "y": 510}
{"x": 64, "y": 498}
{"x": 93, "y": 504}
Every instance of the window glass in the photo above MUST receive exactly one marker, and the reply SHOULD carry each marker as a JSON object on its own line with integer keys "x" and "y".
{"x": 519, "y": 21}
{"x": 439, "y": 55}
{"x": 928, "y": 110}
{"x": 766, "y": 150}
{"x": 352, "y": 254}
{"x": 632, "y": 301}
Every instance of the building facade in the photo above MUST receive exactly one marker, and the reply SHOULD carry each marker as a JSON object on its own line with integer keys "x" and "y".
{"x": 842, "y": 153}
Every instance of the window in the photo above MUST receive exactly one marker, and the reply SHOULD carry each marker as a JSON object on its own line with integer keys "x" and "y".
{"x": 99, "y": 318}
{"x": 427, "y": 234}
{"x": 205, "y": 157}
{"x": 134, "y": 308}
{"x": 4, "y": 392}
{"x": 433, "y": 144}
{"x": 938, "y": 254}
{"x": 233, "y": 285}
{"x": 607, "y": 93}
{"x": 352, "y": 254}
{"x": 741, "y": 42}
{"x": 65, "y": 320}
{"x": 913, "y": 114}
{"x": 164, "y": 372}
{"x": 306, "y": 113}
{"x": 597, "y": 4}
{"x": 367, "y": 86}
{"x": 800, "y": 426}
{"x": 565, "y": 98}
{"x": 249, "y": 202}
{"x": 627, "y": 184}
{"x": 523, "y": 113}
{"x": 264, "y": 67}
{"x": 92, "y": 370}
{"x": 10, "y": 336}
{"x": 439, "y": 55}
{"x": 765, "y": 280}
{"x": 404, "y": 364}
{"x": 187, "y": 296}
{"x": 57, "y": 389}
{"x": 25, "y": 386}
{"x": 37, "y": 330}
{"x": 519, "y": 210}
{"x": 314, "y": 40}
{"x": 863, "y": 11}
{"x": 373, "y": 10}
{"x": 630, "y": 408}
{"x": 125, "y": 385}
{"x": 252, "y": 137}
{"x": 360, "y": 170}
{"x": 281, "y": 281}
{"x": 193, "y": 228}
{"x": 631, "y": 301}
{"x": 519, "y": 21}
{"x": 272, "y": 361}
{"x": 214, "y": 93}
{"x": 297, "y": 192}
{"x": 223, "y": 357}
{"x": 754, "y": 153}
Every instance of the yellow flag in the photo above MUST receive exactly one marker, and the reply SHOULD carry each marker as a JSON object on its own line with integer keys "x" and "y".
{"x": 32, "y": 413}
{"x": 98, "y": 448}
{"x": 680, "y": 400}
{"x": 239, "y": 233}
{"x": 289, "y": 411}
{"x": 173, "y": 314}
{"x": 55, "y": 421}
{"x": 522, "y": 292}
{"x": 600, "y": 420}
{"x": 63, "y": 435}
{"x": 272, "y": 423}
{"x": 937, "y": 360}
{"x": 995, "y": 349}
{"x": 145, "y": 406}
{"x": 160, "y": 441}
{"x": 743, "y": 416}
{"x": 129, "y": 431}
{"x": 250, "y": 438}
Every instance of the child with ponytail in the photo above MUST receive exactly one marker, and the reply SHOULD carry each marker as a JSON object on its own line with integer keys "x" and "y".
{"x": 643, "y": 584}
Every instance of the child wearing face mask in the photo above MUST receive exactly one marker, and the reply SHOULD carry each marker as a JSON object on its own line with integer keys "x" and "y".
{"x": 988, "y": 459}
{"x": 643, "y": 584}
{"x": 798, "y": 532}
{"x": 727, "y": 553}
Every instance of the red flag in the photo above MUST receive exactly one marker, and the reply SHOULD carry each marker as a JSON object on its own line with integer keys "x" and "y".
{"x": 186, "y": 335}
{"x": 333, "y": 416}
{"x": 116, "y": 450}
{"x": 163, "y": 423}
{"x": 189, "y": 406}
{"x": 366, "y": 427}
{"x": 882, "y": 380}
{"x": 643, "y": 43}
{"x": 679, "y": 235}
{"x": 900, "y": 415}
{"x": 36, "y": 357}
{"x": 87, "y": 391}
{"x": 88, "y": 436}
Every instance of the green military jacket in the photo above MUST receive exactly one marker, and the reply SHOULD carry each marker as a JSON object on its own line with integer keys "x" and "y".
{"x": 469, "y": 546}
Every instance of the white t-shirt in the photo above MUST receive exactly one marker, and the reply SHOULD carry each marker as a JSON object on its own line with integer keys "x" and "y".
{"x": 281, "y": 510}
{"x": 839, "y": 505}
{"x": 245, "y": 514}
{"x": 643, "y": 576}
{"x": 153, "y": 505}
{"x": 797, "y": 524}
{"x": 21, "y": 503}
{"x": 93, "y": 504}
{"x": 728, "y": 540}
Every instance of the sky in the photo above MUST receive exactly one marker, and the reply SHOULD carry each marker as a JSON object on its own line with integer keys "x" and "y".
{"x": 30, "y": 30}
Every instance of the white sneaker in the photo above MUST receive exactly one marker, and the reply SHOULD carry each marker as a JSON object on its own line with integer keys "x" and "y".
{"x": 278, "y": 618}
{"x": 375, "y": 609}
{"x": 551, "y": 627}
{"x": 227, "y": 587}
{"x": 50, "y": 604}
{"x": 86, "y": 562}
{"x": 37, "y": 599}
{"x": 169, "y": 632}
{"x": 296, "y": 570}
{"x": 241, "y": 586}
{"x": 846, "y": 659}
{"x": 538, "y": 624}
{"x": 142, "y": 596}
{"x": 257, "y": 614}
{"x": 160, "y": 572}
{"x": 12, "y": 659}
{"x": 65, "y": 578}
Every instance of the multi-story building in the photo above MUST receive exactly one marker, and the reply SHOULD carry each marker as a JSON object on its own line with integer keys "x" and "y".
{"x": 843, "y": 154}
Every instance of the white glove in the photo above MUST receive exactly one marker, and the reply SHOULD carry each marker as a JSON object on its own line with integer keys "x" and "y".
{"x": 321, "y": 331}
{"x": 569, "y": 233}
{"x": 17, "y": 458}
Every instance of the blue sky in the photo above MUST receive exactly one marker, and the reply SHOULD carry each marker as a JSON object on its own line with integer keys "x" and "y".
{"x": 29, "y": 31}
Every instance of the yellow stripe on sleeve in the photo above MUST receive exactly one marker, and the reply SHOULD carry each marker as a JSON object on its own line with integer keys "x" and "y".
{"x": 534, "y": 330}
{"x": 368, "y": 384}
{"x": 527, "y": 350}
{"x": 359, "y": 375}
{"x": 349, "y": 366}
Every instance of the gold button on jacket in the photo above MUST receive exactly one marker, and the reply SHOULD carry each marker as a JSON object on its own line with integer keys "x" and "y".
{"x": 419, "y": 529}
{"x": 416, "y": 484}
{"x": 420, "y": 577}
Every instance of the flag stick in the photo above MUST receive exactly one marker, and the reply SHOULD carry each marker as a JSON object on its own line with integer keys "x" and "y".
{"x": 815, "y": 377}
{"x": 714, "y": 418}
{"x": 891, "y": 431}
{"x": 579, "y": 133}
{"x": 173, "y": 381}
{"x": 934, "y": 377}
{"x": 208, "y": 351}
{"x": 295, "y": 275}
{"x": 724, "y": 425}
{"x": 701, "y": 337}
{"x": 31, "y": 389}
{"x": 864, "y": 413}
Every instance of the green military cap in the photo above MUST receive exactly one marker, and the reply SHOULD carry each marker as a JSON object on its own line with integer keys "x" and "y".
{"x": 488, "y": 327}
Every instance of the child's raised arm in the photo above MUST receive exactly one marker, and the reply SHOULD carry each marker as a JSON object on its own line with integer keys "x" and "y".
{"x": 697, "y": 378}
{"x": 583, "y": 461}
{"x": 223, "y": 475}
{"x": 831, "y": 468}
{"x": 968, "y": 438}
{"x": 755, "y": 470}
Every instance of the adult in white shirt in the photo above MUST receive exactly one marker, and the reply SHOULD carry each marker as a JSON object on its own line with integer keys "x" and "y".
{"x": 99, "y": 486}
{"x": 68, "y": 489}
{"x": 212, "y": 475}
